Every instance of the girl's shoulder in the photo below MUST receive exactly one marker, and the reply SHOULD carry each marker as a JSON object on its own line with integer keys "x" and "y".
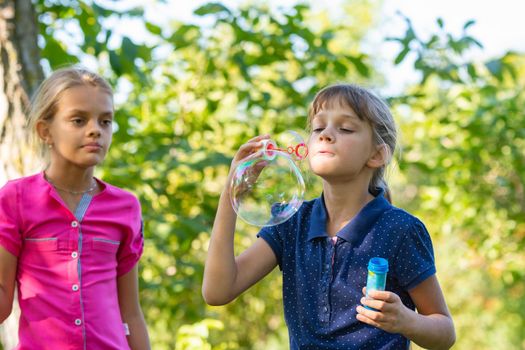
{"x": 115, "y": 192}
{"x": 401, "y": 219}
{"x": 291, "y": 226}
{"x": 305, "y": 212}
{"x": 307, "y": 205}
{"x": 27, "y": 182}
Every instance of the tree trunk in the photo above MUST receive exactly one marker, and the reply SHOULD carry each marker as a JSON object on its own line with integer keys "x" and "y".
{"x": 20, "y": 74}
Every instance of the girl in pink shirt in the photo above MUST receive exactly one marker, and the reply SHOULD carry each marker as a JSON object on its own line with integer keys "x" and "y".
{"x": 69, "y": 240}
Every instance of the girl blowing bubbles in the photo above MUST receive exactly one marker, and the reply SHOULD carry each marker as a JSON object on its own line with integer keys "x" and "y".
{"x": 323, "y": 250}
{"x": 71, "y": 241}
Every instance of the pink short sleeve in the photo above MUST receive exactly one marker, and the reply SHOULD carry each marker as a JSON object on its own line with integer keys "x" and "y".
{"x": 133, "y": 244}
{"x": 10, "y": 237}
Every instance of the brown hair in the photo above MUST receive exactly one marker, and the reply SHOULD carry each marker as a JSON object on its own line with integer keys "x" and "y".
{"x": 45, "y": 100}
{"x": 368, "y": 107}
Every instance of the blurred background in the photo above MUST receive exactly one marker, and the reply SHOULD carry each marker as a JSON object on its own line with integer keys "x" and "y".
{"x": 195, "y": 80}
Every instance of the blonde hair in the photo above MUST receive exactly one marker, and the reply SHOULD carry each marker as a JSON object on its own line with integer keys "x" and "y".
{"x": 45, "y": 100}
{"x": 368, "y": 107}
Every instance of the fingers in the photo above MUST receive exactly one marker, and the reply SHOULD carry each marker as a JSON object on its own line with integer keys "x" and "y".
{"x": 383, "y": 295}
{"x": 259, "y": 138}
{"x": 370, "y": 317}
{"x": 259, "y": 167}
{"x": 251, "y": 146}
{"x": 252, "y": 172}
{"x": 387, "y": 313}
{"x": 256, "y": 169}
{"x": 380, "y": 300}
{"x": 379, "y": 305}
{"x": 381, "y": 317}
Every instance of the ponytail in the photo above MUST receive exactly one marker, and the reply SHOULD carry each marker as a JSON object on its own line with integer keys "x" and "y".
{"x": 388, "y": 194}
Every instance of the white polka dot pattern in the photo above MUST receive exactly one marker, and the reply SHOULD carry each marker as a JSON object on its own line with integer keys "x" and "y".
{"x": 323, "y": 281}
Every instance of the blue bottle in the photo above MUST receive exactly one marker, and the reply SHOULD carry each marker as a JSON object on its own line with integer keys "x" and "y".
{"x": 377, "y": 269}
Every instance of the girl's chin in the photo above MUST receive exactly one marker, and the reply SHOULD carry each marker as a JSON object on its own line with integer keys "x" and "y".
{"x": 324, "y": 174}
{"x": 320, "y": 169}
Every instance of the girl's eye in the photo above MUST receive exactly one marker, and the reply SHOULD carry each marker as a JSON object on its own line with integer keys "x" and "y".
{"x": 77, "y": 121}
{"x": 347, "y": 130}
{"x": 107, "y": 122}
{"x": 318, "y": 129}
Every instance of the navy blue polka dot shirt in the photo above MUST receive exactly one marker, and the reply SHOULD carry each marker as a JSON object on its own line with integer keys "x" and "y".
{"x": 323, "y": 280}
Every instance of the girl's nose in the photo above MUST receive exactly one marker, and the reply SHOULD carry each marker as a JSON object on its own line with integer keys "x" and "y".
{"x": 326, "y": 135}
{"x": 94, "y": 129}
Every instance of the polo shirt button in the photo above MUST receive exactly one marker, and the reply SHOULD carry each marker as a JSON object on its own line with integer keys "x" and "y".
{"x": 325, "y": 309}
{"x": 74, "y": 287}
{"x": 78, "y": 321}
{"x": 74, "y": 255}
{"x": 327, "y": 266}
{"x": 74, "y": 223}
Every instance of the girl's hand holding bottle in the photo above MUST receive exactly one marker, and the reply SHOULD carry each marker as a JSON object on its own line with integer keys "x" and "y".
{"x": 392, "y": 315}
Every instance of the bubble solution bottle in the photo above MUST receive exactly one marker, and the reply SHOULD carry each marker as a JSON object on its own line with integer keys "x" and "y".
{"x": 377, "y": 269}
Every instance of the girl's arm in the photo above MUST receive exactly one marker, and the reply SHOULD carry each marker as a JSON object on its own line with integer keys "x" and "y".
{"x": 7, "y": 282}
{"x": 128, "y": 297}
{"x": 431, "y": 327}
{"x": 227, "y": 276}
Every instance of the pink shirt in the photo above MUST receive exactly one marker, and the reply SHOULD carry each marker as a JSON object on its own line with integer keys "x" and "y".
{"x": 68, "y": 266}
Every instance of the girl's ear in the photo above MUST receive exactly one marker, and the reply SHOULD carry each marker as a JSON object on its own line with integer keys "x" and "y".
{"x": 379, "y": 157}
{"x": 42, "y": 129}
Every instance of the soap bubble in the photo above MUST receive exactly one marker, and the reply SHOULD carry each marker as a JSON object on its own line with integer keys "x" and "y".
{"x": 267, "y": 187}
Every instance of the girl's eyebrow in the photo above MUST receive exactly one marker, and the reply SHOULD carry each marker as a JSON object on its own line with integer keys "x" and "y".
{"x": 351, "y": 116}
{"x": 75, "y": 111}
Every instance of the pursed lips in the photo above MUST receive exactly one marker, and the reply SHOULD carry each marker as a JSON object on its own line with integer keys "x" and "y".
{"x": 92, "y": 145}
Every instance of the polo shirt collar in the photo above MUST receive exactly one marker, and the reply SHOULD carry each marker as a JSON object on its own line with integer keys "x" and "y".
{"x": 357, "y": 228}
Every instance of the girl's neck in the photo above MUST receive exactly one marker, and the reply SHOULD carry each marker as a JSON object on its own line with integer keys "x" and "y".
{"x": 344, "y": 200}
{"x": 76, "y": 179}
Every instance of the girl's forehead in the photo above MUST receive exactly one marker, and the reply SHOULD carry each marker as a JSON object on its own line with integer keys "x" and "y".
{"x": 85, "y": 93}
{"x": 84, "y": 97}
{"x": 332, "y": 102}
{"x": 343, "y": 108}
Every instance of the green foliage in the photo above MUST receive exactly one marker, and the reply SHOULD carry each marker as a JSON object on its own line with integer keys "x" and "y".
{"x": 465, "y": 137}
{"x": 70, "y": 33}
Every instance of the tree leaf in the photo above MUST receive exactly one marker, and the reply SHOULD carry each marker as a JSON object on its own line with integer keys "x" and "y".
{"x": 401, "y": 56}
{"x": 212, "y": 8}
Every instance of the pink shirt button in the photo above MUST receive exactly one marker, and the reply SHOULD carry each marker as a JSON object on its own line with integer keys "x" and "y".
{"x": 74, "y": 223}
{"x": 74, "y": 255}
{"x": 74, "y": 287}
{"x": 78, "y": 321}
